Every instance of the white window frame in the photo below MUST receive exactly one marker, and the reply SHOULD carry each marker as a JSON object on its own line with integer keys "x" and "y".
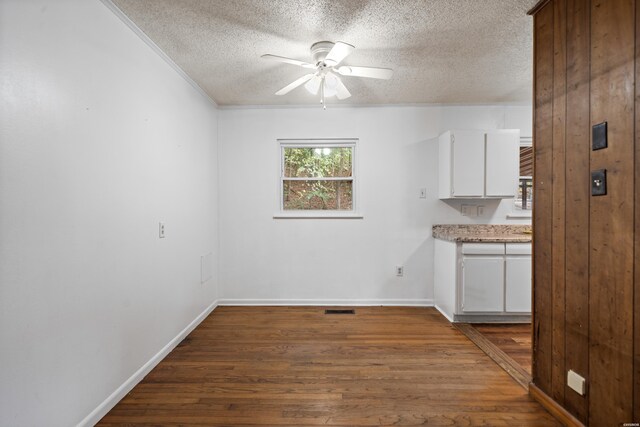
{"x": 319, "y": 143}
{"x": 517, "y": 212}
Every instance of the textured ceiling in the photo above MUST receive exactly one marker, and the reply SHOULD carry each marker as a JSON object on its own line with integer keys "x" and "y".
{"x": 441, "y": 51}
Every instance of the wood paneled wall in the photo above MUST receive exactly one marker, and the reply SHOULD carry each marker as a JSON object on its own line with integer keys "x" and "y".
{"x": 587, "y": 248}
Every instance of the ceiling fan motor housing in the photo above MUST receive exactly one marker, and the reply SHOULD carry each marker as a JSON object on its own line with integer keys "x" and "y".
{"x": 320, "y": 50}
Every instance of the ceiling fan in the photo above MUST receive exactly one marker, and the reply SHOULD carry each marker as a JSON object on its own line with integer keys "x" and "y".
{"x": 326, "y": 58}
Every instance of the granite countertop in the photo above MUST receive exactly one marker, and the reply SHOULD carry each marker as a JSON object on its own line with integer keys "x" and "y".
{"x": 483, "y": 233}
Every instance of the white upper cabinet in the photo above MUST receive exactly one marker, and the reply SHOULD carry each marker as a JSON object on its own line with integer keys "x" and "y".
{"x": 478, "y": 164}
{"x": 502, "y": 163}
{"x": 467, "y": 171}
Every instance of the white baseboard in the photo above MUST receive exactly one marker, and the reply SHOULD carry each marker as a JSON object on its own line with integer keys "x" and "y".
{"x": 449, "y": 318}
{"x": 128, "y": 385}
{"x": 330, "y": 302}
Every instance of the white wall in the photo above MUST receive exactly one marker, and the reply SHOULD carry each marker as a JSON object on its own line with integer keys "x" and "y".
{"x": 267, "y": 260}
{"x": 100, "y": 139}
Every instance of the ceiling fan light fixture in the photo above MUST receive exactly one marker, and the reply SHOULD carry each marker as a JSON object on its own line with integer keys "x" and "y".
{"x": 313, "y": 85}
{"x": 330, "y": 85}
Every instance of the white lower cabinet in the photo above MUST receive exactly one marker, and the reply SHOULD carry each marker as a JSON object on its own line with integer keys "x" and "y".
{"x": 482, "y": 283}
{"x": 479, "y": 282}
{"x": 518, "y": 284}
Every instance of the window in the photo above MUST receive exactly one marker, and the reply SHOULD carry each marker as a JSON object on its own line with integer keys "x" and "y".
{"x": 317, "y": 176}
{"x": 524, "y": 199}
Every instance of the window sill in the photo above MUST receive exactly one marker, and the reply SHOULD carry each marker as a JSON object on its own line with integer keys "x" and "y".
{"x": 519, "y": 215}
{"x": 317, "y": 215}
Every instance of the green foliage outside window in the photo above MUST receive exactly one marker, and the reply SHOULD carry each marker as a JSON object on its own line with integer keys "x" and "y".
{"x": 310, "y": 191}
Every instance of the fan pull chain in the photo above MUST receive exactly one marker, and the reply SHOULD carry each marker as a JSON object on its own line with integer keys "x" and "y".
{"x": 324, "y": 106}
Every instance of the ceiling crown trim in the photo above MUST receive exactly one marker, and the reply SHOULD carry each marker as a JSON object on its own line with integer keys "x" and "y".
{"x": 137, "y": 31}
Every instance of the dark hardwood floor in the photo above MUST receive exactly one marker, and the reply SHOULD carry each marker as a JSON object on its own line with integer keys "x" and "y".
{"x": 513, "y": 339}
{"x": 494, "y": 348}
{"x": 296, "y": 366}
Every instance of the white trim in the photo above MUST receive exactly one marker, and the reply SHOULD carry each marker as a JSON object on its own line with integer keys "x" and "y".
{"x": 317, "y": 142}
{"x": 449, "y": 318}
{"x": 129, "y": 23}
{"x": 317, "y": 215}
{"x": 518, "y": 215}
{"x": 516, "y": 212}
{"x": 328, "y": 302}
{"x": 316, "y": 105}
{"x": 284, "y": 143}
{"x": 526, "y": 141}
{"x": 111, "y": 401}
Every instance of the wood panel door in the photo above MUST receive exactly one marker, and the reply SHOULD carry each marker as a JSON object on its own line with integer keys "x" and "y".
{"x": 611, "y": 216}
{"x": 586, "y": 262}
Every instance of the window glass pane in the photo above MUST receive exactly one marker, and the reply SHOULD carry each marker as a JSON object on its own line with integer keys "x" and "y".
{"x": 524, "y": 199}
{"x": 317, "y": 195}
{"x": 525, "y": 194}
{"x": 526, "y": 161}
{"x": 318, "y": 162}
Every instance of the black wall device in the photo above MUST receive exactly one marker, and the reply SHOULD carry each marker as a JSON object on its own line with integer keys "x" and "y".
{"x": 599, "y": 136}
{"x": 599, "y": 182}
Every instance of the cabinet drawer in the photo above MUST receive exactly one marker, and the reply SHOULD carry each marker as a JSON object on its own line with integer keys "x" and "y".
{"x": 518, "y": 248}
{"x": 483, "y": 248}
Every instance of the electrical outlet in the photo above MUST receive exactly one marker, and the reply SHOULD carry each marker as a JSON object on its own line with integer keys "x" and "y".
{"x": 423, "y": 193}
{"x": 469, "y": 210}
{"x": 399, "y": 271}
{"x": 576, "y": 382}
{"x": 161, "y": 230}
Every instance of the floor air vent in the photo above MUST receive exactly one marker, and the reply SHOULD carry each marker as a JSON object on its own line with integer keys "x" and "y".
{"x": 339, "y": 312}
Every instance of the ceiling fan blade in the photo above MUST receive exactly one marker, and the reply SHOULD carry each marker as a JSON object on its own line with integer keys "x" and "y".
{"x": 288, "y": 60}
{"x": 372, "y": 72}
{"x": 288, "y": 88}
{"x": 341, "y": 90}
{"x": 313, "y": 85}
{"x": 338, "y": 52}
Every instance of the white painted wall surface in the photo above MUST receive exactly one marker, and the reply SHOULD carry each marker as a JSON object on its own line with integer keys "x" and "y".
{"x": 99, "y": 141}
{"x": 267, "y": 260}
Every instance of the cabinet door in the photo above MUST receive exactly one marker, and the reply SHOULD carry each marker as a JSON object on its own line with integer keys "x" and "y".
{"x": 518, "y": 284}
{"x": 502, "y": 163}
{"x": 483, "y": 284}
{"x": 445, "y": 163}
{"x": 444, "y": 277}
{"x": 468, "y": 164}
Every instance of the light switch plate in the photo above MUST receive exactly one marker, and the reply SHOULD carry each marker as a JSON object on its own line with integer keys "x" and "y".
{"x": 576, "y": 382}
{"x": 599, "y": 182}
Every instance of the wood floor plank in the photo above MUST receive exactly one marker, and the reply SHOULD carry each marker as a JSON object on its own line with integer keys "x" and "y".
{"x": 503, "y": 360}
{"x": 296, "y": 366}
{"x": 513, "y": 339}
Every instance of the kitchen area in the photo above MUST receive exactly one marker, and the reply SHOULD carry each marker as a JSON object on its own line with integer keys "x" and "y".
{"x": 482, "y": 272}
